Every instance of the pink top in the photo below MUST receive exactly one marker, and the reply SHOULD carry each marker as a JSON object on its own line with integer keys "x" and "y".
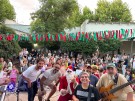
{"x": 13, "y": 74}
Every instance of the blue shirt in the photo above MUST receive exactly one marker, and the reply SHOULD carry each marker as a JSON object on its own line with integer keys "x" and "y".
{"x": 93, "y": 80}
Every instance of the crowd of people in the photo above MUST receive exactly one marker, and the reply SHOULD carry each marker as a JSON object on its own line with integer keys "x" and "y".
{"x": 78, "y": 78}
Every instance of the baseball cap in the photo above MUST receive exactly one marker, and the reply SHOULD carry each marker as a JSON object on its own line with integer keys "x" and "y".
{"x": 111, "y": 65}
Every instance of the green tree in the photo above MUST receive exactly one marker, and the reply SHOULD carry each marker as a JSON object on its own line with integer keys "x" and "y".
{"x": 6, "y": 10}
{"x": 51, "y": 45}
{"x": 54, "y": 13}
{"x": 77, "y": 17}
{"x": 109, "y": 45}
{"x": 52, "y": 17}
{"x": 37, "y": 26}
{"x": 115, "y": 11}
{"x": 87, "y": 14}
{"x": 26, "y": 44}
{"x": 8, "y": 47}
{"x": 120, "y": 11}
{"x": 79, "y": 46}
{"x": 102, "y": 13}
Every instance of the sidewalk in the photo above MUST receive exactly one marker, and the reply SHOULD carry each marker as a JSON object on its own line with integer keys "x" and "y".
{"x": 23, "y": 97}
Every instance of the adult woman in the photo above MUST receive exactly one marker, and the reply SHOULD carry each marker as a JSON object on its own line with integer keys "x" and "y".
{"x": 84, "y": 91}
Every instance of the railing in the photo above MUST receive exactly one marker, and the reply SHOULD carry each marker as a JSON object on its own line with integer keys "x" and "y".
{"x": 3, "y": 92}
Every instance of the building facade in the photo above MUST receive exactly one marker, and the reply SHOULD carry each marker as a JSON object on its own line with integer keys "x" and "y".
{"x": 127, "y": 46}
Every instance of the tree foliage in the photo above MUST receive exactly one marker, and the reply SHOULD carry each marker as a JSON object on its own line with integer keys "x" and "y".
{"x": 6, "y": 10}
{"x": 78, "y": 17}
{"x": 8, "y": 48}
{"x": 54, "y": 13}
{"x": 37, "y": 26}
{"x": 87, "y": 14}
{"x": 115, "y": 11}
{"x": 79, "y": 46}
{"x": 51, "y": 45}
{"x": 26, "y": 44}
{"x": 108, "y": 45}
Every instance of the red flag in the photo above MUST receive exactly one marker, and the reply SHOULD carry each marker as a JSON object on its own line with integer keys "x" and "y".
{"x": 36, "y": 37}
{"x": 86, "y": 36}
{"x": 97, "y": 35}
{"x": 77, "y": 36}
{"x": 56, "y": 37}
{"x": 64, "y": 38}
{"x": 1, "y": 37}
{"x": 120, "y": 35}
{"x": 109, "y": 34}
{"x": 46, "y": 37}
{"x": 8, "y": 37}
{"x": 61, "y": 37}
{"x": 12, "y": 37}
{"x": 126, "y": 30}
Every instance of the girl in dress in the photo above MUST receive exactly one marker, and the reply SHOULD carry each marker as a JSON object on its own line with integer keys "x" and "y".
{"x": 13, "y": 74}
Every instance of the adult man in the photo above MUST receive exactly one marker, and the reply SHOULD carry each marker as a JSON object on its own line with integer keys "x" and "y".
{"x": 47, "y": 79}
{"x": 93, "y": 78}
{"x": 84, "y": 91}
{"x": 113, "y": 77}
{"x": 30, "y": 76}
{"x": 67, "y": 85}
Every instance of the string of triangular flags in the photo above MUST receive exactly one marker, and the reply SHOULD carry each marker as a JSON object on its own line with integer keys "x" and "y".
{"x": 122, "y": 34}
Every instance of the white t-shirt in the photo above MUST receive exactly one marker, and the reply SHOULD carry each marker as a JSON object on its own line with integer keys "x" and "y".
{"x": 10, "y": 66}
{"x": 50, "y": 76}
{"x": 32, "y": 73}
{"x": 2, "y": 76}
{"x": 133, "y": 62}
{"x": 115, "y": 60}
{"x": 47, "y": 60}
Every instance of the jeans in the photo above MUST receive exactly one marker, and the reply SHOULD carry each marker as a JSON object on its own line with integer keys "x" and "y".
{"x": 32, "y": 91}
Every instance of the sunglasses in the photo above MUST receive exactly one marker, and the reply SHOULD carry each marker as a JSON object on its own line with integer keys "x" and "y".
{"x": 69, "y": 71}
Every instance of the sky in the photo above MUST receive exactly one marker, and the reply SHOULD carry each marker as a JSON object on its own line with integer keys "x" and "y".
{"x": 24, "y": 8}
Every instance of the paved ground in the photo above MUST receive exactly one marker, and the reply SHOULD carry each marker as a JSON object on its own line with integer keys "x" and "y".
{"x": 23, "y": 97}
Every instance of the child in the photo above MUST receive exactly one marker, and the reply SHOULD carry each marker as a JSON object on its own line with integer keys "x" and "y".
{"x": 13, "y": 74}
{"x": 128, "y": 75}
{"x": 3, "y": 77}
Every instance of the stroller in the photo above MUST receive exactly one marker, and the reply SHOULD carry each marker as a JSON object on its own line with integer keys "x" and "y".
{"x": 16, "y": 88}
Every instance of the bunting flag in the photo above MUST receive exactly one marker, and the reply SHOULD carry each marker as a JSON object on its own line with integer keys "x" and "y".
{"x": 122, "y": 34}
